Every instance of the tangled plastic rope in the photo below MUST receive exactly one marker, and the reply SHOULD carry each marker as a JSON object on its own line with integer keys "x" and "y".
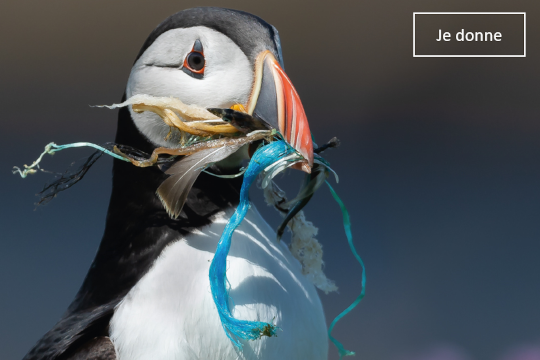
{"x": 271, "y": 158}
{"x": 236, "y": 329}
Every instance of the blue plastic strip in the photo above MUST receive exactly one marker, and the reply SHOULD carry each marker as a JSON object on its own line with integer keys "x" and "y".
{"x": 234, "y": 328}
{"x": 347, "y": 225}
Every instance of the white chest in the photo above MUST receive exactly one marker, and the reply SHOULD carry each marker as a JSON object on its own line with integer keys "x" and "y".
{"x": 170, "y": 313}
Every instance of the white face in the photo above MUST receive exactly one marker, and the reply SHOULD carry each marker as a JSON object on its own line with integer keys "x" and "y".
{"x": 228, "y": 76}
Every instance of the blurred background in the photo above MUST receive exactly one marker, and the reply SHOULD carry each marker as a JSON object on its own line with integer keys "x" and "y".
{"x": 439, "y": 168}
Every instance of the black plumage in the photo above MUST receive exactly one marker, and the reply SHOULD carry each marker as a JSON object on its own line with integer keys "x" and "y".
{"x": 251, "y": 33}
{"x": 138, "y": 227}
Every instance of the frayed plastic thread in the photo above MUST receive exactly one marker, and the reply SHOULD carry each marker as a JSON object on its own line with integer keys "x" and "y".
{"x": 347, "y": 225}
{"x": 234, "y": 328}
{"x": 51, "y": 148}
{"x": 67, "y": 179}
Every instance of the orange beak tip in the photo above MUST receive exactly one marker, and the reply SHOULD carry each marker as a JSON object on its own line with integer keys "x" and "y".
{"x": 302, "y": 166}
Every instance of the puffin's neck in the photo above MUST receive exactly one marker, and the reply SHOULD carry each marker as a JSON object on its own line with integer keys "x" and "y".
{"x": 134, "y": 189}
{"x": 138, "y": 227}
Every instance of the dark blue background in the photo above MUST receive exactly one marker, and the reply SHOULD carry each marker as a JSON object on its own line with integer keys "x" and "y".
{"x": 439, "y": 166}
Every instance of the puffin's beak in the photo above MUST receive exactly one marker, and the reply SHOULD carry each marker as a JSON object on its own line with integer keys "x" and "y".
{"x": 275, "y": 101}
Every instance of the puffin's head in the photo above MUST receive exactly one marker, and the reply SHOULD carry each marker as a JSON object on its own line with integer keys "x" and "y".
{"x": 218, "y": 58}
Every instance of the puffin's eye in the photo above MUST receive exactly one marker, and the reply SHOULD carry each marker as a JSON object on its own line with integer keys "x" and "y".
{"x": 194, "y": 62}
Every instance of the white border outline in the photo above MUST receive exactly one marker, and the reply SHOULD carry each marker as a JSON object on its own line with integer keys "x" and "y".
{"x": 472, "y": 13}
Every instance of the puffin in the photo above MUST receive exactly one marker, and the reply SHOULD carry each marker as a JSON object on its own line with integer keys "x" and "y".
{"x": 147, "y": 294}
